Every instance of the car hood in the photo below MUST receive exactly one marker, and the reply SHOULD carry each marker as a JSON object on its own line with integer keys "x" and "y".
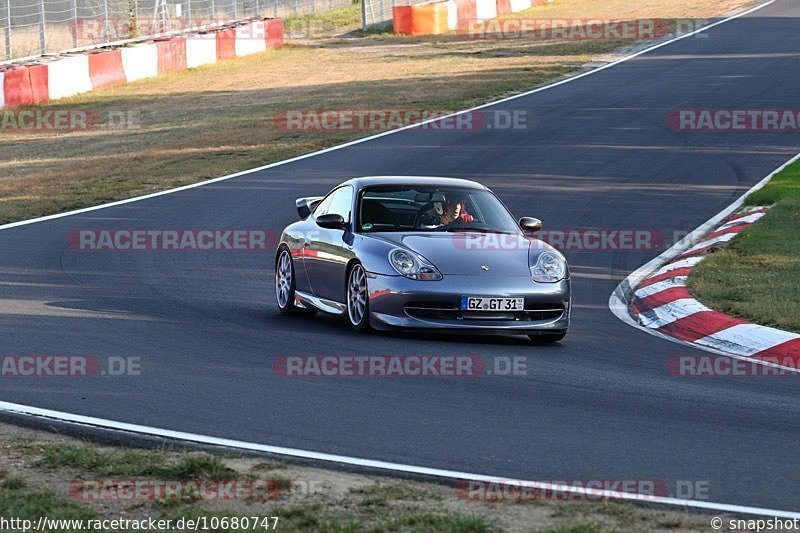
{"x": 462, "y": 253}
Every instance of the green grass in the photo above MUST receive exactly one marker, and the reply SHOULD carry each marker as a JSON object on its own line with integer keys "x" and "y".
{"x": 18, "y": 501}
{"x": 135, "y": 463}
{"x": 757, "y": 276}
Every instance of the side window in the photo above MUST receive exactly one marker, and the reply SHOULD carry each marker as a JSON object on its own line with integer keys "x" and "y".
{"x": 339, "y": 202}
{"x": 322, "y": 207}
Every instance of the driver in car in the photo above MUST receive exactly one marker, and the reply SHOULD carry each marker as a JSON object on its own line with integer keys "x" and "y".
{"x": 449, "y": 211}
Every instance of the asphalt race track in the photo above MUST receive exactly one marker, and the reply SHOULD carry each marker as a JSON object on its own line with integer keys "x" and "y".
{"x": 600, "y": 405}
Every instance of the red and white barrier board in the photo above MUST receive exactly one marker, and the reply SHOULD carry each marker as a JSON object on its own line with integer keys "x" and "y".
{"x": 69, "y": 75}
{"x": 520, "y": 5}
{"x": 427, "y": 18}
{"x": 105, "y": 69}
{"x": 274, "y": 28}
{"x": 171, "y": 54}
{"x": 251, "y": 38}
{"x": 485, "y": 9}
{"x": 201, "y": 49}
{"x": 76, "y": 73}
{"x": 452, "y": 15}
{"x": 140, "y": 61}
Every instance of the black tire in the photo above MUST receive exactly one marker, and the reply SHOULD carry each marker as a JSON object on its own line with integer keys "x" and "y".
{"x": 547, "y": 338}
{"x": 284, "y": 288}
{"x": 357, "y": 312}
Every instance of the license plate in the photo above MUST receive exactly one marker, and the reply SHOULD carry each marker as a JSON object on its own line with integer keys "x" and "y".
{"x": 480, "y": 303}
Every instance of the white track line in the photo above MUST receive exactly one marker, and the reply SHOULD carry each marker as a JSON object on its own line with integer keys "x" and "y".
{"x": 381, "y": 465}
{"x": 203, "y": 439}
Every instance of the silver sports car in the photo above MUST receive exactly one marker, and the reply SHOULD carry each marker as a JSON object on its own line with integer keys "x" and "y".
{"x": 422, "y": 253}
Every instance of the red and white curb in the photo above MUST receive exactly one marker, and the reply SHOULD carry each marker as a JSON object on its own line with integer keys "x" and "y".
{"x": 655, "y": 297}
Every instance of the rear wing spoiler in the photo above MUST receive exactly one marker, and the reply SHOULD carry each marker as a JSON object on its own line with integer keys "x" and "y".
{"x": 306, "y": 205}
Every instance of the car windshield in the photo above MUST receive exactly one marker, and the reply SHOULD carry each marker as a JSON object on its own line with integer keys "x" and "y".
{"x": 424, "y": 208}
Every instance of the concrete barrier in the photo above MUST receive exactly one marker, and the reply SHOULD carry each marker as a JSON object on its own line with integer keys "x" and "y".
{"x": 105, "y": 69}
{"x": 442, "y": 16}
{"x": 520, "y": 5}
{"x": 201, "y": 49}
{"x": 75, "y": 73}
{"x": 171, "y": 54}
{"x": 69, "y": 75}
{"x": 140, "y": 61}
{"x": 226, "y": 43}
{"x": 39, "y": 82}
{"x": 274, "y": 33}
{"x": 251, "y": 38}
{"x": 485, "y": 9}
{"x": 17, "y": 87}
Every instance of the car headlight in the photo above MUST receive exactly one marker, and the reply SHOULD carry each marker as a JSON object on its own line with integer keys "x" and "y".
{"x": 549, "y": 268}
{"x": 413, "y": 266}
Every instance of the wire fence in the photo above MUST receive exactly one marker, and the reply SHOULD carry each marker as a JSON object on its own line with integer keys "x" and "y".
{"x": 375, "y": 12}
{"x": 37, "y": 27}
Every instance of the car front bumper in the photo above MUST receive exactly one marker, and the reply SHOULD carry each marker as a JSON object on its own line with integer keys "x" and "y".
{"x": 396, "y": 302}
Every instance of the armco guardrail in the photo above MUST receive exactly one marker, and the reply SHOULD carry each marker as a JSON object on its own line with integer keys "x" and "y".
{"x": 53, "y": 77}
{"x": 433, "y": 18}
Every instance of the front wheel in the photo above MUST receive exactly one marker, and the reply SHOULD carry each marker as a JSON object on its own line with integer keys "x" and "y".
{"x": 357, "y": 299}
{"x": 547, "y": 338}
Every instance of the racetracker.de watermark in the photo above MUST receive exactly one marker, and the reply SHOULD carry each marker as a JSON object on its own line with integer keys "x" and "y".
{"x": 734, "y": 120}
{"x": 578, "y": 240}
{"x": 174, "y": 240}
{"x": 716, "y": 366}
{"x": 137, "y": 490}
{"x": 580, "y": 489}
{"x": 68, "y": 366}
{"x": 117, "y": 29}
{"x": 569, "y": 29}
{"x": 399, "y": 366}
{"x": 386, "y": 119}
{"x": 36, "y": 120}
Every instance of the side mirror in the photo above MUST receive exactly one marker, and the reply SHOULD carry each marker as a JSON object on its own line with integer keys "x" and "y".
{"x": 530, "y": 224}
{"x": 331, "y": 221}
{"x": 306, "y": 205}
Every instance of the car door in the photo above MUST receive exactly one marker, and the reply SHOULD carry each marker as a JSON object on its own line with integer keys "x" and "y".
{"x": 299, "y": 238}
{"x": 327, "y": 250}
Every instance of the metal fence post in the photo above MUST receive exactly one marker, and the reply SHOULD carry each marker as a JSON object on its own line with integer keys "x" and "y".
{"x": 42, "y": 40}
{"x": 364, "y": 15}
{"x": 189, "y": 13}
{"x": 8, "y": 29}
{"x": 75, "y": 26}
{"x": 213, "y": 12}
{"x": 106, "y": 21}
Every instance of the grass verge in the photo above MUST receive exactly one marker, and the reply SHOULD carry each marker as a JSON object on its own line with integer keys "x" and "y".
{"x": 757, "y": 276}
{"x": 39, "y": 471}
